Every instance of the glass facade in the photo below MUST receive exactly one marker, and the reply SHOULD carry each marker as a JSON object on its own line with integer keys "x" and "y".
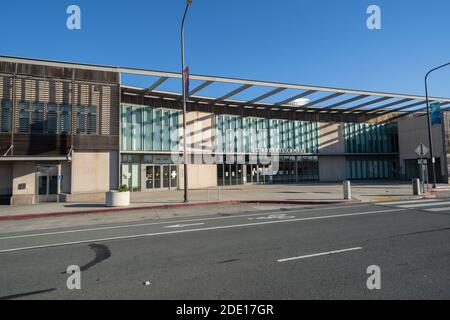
{"x": 371, "y": 138}
{"x": 5, "y": 116}
{"x": 250, "y": 135}
{"x": 149, "y": 172}
{"x": 291, "y": 169}
{"x": 41, "y": 118}
{"x": 149, "y": 129}
{"x": 370, "y": 168}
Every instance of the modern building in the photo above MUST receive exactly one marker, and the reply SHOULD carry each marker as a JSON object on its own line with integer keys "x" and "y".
{"x": 70, "y": 132}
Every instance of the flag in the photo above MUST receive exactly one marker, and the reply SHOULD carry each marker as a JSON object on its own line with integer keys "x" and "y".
{"x": 436, "y": 116}
{"x": 186, "y": 80}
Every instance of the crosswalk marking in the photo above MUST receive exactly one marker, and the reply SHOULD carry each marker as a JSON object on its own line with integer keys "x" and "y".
{"x": 424, "y": 205}
{"x": 405, "y": 202}
{"x": 429, "y": 205}
{"x": 438, "y": 209}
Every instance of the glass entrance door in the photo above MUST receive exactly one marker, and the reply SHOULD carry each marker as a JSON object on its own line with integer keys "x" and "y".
{"x": 47, "y": 183}
{"x": 160, "y": 177}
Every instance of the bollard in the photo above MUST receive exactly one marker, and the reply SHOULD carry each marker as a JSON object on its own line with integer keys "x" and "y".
{"x": 347, "y": 190}
{"x": 417, "y": 188}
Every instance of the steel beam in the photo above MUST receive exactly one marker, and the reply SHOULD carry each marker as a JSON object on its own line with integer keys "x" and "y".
{"x": 371, "y": 111}
{"x": 155, "y": 85}
{"x": 267, "y": 95}
{"x": 233, "y": 93}
{"x": 316, "y": 102}
{"x": 366, "y": 104}
{"x": 357, "y": 98}
{"x": 299, "y": 96}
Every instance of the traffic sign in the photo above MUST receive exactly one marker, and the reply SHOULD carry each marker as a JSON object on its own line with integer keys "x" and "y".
{"x": 422, "y": 150}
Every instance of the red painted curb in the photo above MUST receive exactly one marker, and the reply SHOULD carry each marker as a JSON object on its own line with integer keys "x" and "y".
{"x": 166, "y": 206}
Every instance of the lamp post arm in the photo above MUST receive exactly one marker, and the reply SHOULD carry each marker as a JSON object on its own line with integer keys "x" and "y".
{"x": 430, "y": 134}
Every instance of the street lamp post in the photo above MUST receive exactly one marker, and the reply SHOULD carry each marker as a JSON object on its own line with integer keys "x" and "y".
{"x": 430, "y": 133}
{"x": 186, "y": 195}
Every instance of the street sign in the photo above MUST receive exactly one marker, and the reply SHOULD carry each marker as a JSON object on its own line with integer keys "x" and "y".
{"x": 422, "y": 150}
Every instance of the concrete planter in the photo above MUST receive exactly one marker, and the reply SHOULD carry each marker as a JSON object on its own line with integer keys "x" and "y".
{"x": 117, "y": 199}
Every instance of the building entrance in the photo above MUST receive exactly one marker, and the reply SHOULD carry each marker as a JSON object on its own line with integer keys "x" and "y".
{"x": 47, "y": 183}
{"x": 161, "y": 177}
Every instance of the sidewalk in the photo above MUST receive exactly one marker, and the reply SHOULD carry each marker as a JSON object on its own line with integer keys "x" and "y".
{"x": 305, "y": 194}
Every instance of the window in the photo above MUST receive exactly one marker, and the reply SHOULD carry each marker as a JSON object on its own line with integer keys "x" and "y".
{"x": 51, "y": 126}
{"x": 5, "y": 116}
{"x": 65, "y": 113}
{"x": 368, "y": 138}
{"x": 91, "y": 125}
{"x": 37, "y": 121}
{"x": 81, "y": 120}
{"x": 149, "y": 129}
{"x": 87, "y": 120}
{"x": 24, "y": 117}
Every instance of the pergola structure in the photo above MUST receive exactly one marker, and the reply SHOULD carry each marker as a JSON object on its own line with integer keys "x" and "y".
{"x": 271, "y": 96}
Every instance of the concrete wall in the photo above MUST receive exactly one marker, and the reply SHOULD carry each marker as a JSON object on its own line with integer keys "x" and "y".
{"x": 332, "y": 169}
{"x": 414, "y": 131}
{"x": 94, "y": 172}
{"x": 6, "y": 177}
{"x": 332, "y": 138}
{"x": 200, "y": 176}
{"x": 24, "y": 176}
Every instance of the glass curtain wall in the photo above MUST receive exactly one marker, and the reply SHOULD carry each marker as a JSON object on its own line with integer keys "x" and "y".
{"x": 263, "y": 134}
{"x": 369, "y": 138}
{"x": 370, "y": 168}
{"x": 149, "y": 129}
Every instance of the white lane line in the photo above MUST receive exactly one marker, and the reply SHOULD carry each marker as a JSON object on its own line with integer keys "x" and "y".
{"x": 424, "y": 205}
{"x": 319, "y": 254}
{"x": 165, "y": 222}
{"x": 184, "y": 225}
{"x": 405, "y": 202}
{"x": 438, "y": 209}
{"x": 201, "y": 229}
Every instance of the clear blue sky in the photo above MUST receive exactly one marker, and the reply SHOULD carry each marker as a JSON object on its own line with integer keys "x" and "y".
{"x": 316, "y": 42}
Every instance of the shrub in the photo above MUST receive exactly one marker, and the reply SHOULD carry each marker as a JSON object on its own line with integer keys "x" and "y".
{"x": 124, "y": 188}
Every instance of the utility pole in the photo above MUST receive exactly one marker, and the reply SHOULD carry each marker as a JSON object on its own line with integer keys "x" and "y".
{"x": 184, "y": 82}
{"x": 430, "y": 133}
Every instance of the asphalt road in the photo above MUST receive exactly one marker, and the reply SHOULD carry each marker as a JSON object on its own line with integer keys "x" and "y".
{"x": 319, "y": 253}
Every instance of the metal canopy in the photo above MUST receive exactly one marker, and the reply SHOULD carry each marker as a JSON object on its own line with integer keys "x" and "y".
{"x": 346, "y": 104}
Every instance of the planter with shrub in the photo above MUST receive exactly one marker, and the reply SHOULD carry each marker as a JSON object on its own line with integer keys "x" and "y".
{"x": 119, "y": 198}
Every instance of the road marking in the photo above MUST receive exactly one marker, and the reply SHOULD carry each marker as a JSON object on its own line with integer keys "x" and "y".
{"x": 319, "y": 254}
{"x": 201, "y": 229}
{"x": 165, "y": 222}
{"x": 404, "y": 202}
{"x": 438, "y": 209}
{"x": 184, "y": 225}
{"x": 274, "y": 217}
{"x": 424, "y": 205}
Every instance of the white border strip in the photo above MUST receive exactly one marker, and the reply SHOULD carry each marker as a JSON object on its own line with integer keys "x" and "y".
{"x": 320, "y": 254}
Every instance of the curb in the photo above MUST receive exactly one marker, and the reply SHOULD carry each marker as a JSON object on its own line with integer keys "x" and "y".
{"x": 169, "y": 206}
